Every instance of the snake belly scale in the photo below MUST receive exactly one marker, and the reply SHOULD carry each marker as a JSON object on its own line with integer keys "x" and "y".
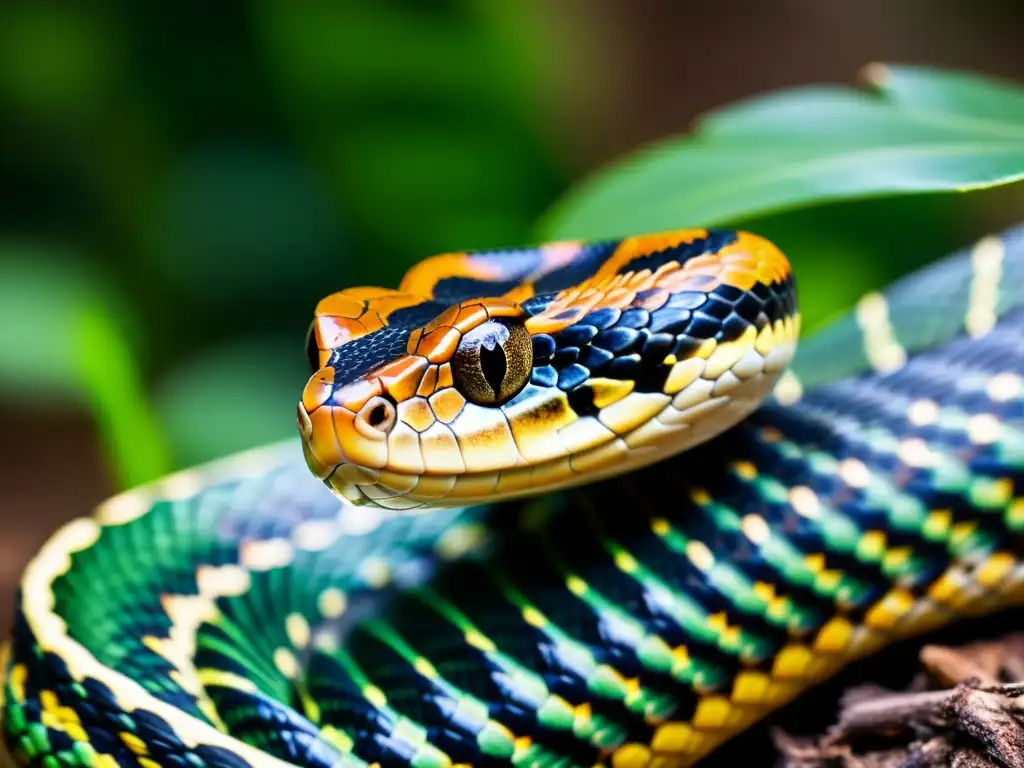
{"x": 572, "y": 505}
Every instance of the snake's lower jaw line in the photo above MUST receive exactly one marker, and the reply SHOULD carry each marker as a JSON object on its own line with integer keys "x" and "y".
{"x": 676, "y": 429}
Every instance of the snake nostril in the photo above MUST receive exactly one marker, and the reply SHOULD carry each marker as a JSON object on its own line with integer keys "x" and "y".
{"x": 376, "y": 418}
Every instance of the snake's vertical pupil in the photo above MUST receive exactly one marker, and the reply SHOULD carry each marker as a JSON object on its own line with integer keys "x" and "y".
{"x": 493, "y": 362}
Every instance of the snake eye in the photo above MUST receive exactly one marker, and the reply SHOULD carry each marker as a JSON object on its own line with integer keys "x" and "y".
{"x": 493, "y": 362}
{"x": 312, "y": 350}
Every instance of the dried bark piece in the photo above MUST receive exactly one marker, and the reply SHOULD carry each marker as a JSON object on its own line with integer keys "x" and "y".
{"x": 985, "y": 715}
{"x": 965, "y": 711}
{"x": 892, "y": 713}
{"x": 967, "y": 757}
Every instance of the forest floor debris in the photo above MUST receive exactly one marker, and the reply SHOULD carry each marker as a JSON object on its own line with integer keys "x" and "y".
{"x": 964, "y": 709}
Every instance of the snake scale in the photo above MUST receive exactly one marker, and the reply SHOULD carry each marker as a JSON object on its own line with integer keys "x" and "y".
{"x": 581, "y": 504}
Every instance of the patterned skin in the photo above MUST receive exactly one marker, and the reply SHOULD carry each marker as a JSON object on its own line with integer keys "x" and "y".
{"x": 596, "y": 359}
{"x": 242, "y": 615}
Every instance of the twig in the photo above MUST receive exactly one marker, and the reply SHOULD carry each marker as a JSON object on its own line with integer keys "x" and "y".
{"x": 967, "y": 712}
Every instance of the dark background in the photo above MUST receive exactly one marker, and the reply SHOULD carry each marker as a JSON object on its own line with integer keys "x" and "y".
{"x": 197, "y": 175}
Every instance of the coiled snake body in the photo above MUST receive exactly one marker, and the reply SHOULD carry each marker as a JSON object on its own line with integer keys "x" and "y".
{"x": 573, "y": 505}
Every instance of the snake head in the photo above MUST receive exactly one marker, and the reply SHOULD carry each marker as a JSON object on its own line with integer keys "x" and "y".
{"x": 494, "y": 375}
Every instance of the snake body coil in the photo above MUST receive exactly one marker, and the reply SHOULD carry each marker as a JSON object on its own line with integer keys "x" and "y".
{"x": 577, "y": 506}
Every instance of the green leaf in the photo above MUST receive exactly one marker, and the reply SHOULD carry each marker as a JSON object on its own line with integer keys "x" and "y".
{"x": 120, "y": 404}
{"x": 953, "y": 93}
{"x": 787, "y": 150}
{"x": 43, "y": 291}
{"x": 66, "y": 341}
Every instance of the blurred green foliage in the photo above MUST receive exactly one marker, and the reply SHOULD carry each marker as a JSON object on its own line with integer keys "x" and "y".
{"x": 185, "y": 183}
{"x": 216, "y": 170}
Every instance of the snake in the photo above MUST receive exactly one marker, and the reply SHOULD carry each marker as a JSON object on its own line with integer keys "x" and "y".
{"x": 581, "y": 503}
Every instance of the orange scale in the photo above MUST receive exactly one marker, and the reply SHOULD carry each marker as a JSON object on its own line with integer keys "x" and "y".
{"x": 740, "y": 259}
{"x": 447, "y": 404}
{"x": 470, "y": 316}
{"x": 440, "y": 344}
{"x": 302, "y": 422}
{"x": 633, "y": 248}
{"x": 354, "y": 396}
{"x": 424, "y": 276}
{"x": 498, "y": 307}
{"x": 782, "y": 272}
{"x": 414, "y": 341}
{"x": 557, "y": 304}
{"x": 674, "y": 281}
{"x": 768, "y": 274}
{"x": 446, "y": 318}
{"x": 332, "y": 331}
{"x": 747, "y": 266}
{"x": 570, "y": 295}
{"x": 739, "y": 278}
{"x": 321, "y": 470}
{"x": 643, "y": 285}
{"x": 428, "y": 383}
{"x": 444, "y": 376}
{"x": 615, "y": 280}
{"x": 373, "y": 321}
{"x": 416, "y": 412}
{"x": 385, "y": 305}
{"x": 341, "y": 304}
{"x": 318, "y": 389}
{"x": 635, "y": 280}
{"x": 584, "y": 302}
{"x": 666, "y": 268}
{"x": 591, "y": 286}
{"x": 520, "y": 293}
{"x": 323, "y": 441}
{"x": 770, "y": 255}
{"x": 401, "y": 378}
{"x": 358, "y": 449}
{"x": 617, "y": 298}
{"x": 544, "y": 324}
{"x": 703, "y": 260}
